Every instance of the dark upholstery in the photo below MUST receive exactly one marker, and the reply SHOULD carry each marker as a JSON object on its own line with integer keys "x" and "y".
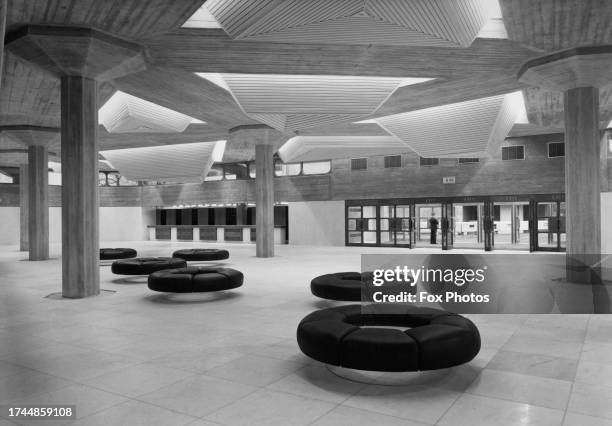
{"x": 201, "y": 254}
{"x": 344, "y": 286}
{"x": 146, "y": 265}
{"x": 117, "y": 253}
{"x": 195, "y": 280}
{"x": 434, "y": 339}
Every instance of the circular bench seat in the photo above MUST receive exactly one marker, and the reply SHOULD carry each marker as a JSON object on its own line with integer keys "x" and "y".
{"x": 117, "y": 253}
{"x": 344, "y": 337}
{"x": 195, "y": 280}
{"x": 201, "y": 254}
{"x": 343, "y": 286}
{"x": 145, "y": 265}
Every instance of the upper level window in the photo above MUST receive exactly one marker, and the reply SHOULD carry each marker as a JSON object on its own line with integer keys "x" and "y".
{"x": 393, "y": 161}
{"x": 287, "y": 169}
{"x": 468, "y": 160}
{"x": 233, "y": 171}
{"x": 359, "y": 164}
{"x": 556, "y": 149}
{"x": 316, "y": 167}
{"x": 215, "y": 173}
{"x": 515, "y": 152}
{"x": 423, "y": 161}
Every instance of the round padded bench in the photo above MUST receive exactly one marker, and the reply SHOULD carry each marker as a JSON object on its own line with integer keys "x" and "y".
{"x": 146, "y": 265}
{"x": 195, "y": 280}
{"x": 343, "y": 336}
{"x": 201, "y": 254}
{"x": 343, "y": 286}
{"x": 117, "y": 253}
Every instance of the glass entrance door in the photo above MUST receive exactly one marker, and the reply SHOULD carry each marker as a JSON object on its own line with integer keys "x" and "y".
{"x": 548, "y": 226}
{"x": 427, "y": 220}
{"x": 361, "y": 225}
{"x": 397, "y": 225}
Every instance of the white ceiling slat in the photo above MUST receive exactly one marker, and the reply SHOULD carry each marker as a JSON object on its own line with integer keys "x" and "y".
{"x": 473, "y": 128}
{"x": 315, "y": 148}
{"x": 124, "y": 113}
{"x": 172, "y": 163}
{"x": 444, "y": 23}
{"x": 298, "y": 102}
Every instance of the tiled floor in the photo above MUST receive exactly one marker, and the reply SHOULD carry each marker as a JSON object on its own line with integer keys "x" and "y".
{"x": 135, "y": 357}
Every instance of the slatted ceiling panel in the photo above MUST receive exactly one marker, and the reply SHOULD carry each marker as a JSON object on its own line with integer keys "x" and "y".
{"x": 296, "y": 13}
{"x": 455, "y": 129}
{"x": 451, "y": 23}
{"x": 185, "y": 162}
{"x": 268, "y": 93}
{"x": 353, "y": 30}
{"x": 297, "y": 102}
{"x": 314, "y": 148}
{"x": 237, "y": 16}
{"x": 125, "y": 113}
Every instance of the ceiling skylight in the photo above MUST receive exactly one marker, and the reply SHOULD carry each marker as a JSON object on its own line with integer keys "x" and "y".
{"x": 292, "y": 102}
{"x": 124, "y": 113}
{"x": 202, "y": 18}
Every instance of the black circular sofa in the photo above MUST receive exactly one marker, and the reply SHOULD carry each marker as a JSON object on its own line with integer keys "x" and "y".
{"x": 117, "y": 253}
{"x": 145, "y": 265}
{"x": 201, "y": 254}
{"x": 344, "y": 337}
{"x": 195, "y": 280}
{"x": 342, "y": 286}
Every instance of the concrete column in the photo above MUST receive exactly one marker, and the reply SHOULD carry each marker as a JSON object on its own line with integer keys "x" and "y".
{"x": 80, "y": 234}
{"x": 23, "y": 208}
{"x": 582, "y": 180}
{"x": 38, "y": 202}
{"x": 264, "y": 179}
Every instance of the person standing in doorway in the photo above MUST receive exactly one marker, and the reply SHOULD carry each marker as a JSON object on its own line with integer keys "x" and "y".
{"x": 433, "y": 228}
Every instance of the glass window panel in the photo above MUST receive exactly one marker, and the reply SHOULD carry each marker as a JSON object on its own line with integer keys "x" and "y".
{"x": 369, "y": 211}
{"x": 215, "y": 173}
{"x": 352, "y": 224}
{"x": 372, "y": 224}
{"x": 369, "y": 237}
{"x": 125, "y": 182}
{"x": 354, "y": 212}
{"x": 235, "y": 171}
{"x": 355, "y": 237}
{"x": 316, "y": 168}
{"x": 386, "y": 211}
{"x": 252, "y": 169}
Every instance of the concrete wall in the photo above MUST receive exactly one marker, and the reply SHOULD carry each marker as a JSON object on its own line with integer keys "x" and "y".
{"x": 116, "y": 224}
{"x": 318, "y": 223}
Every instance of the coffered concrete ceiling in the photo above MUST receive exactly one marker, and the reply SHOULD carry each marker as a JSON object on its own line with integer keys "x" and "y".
{"x": 465, "y": 62}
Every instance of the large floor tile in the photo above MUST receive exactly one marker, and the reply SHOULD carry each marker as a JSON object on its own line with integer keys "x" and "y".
{"x": 198, "y": 396}
{"x": 317, "y": 382}
{"x": 136, "y": 380}
{"x": 592, "y": 400}
{"x": 269, "y": 408}
{"x": 17, "y": 386}
{"x": 534, "y": 365}
{"x": 349, "y": 416}
{"x": 473, "y": 410}
{"x": 135, "y": 413}
{"x": 531, "y": 390}
{"x": 418, "y": 403}
{"x": 254, "y": 370}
